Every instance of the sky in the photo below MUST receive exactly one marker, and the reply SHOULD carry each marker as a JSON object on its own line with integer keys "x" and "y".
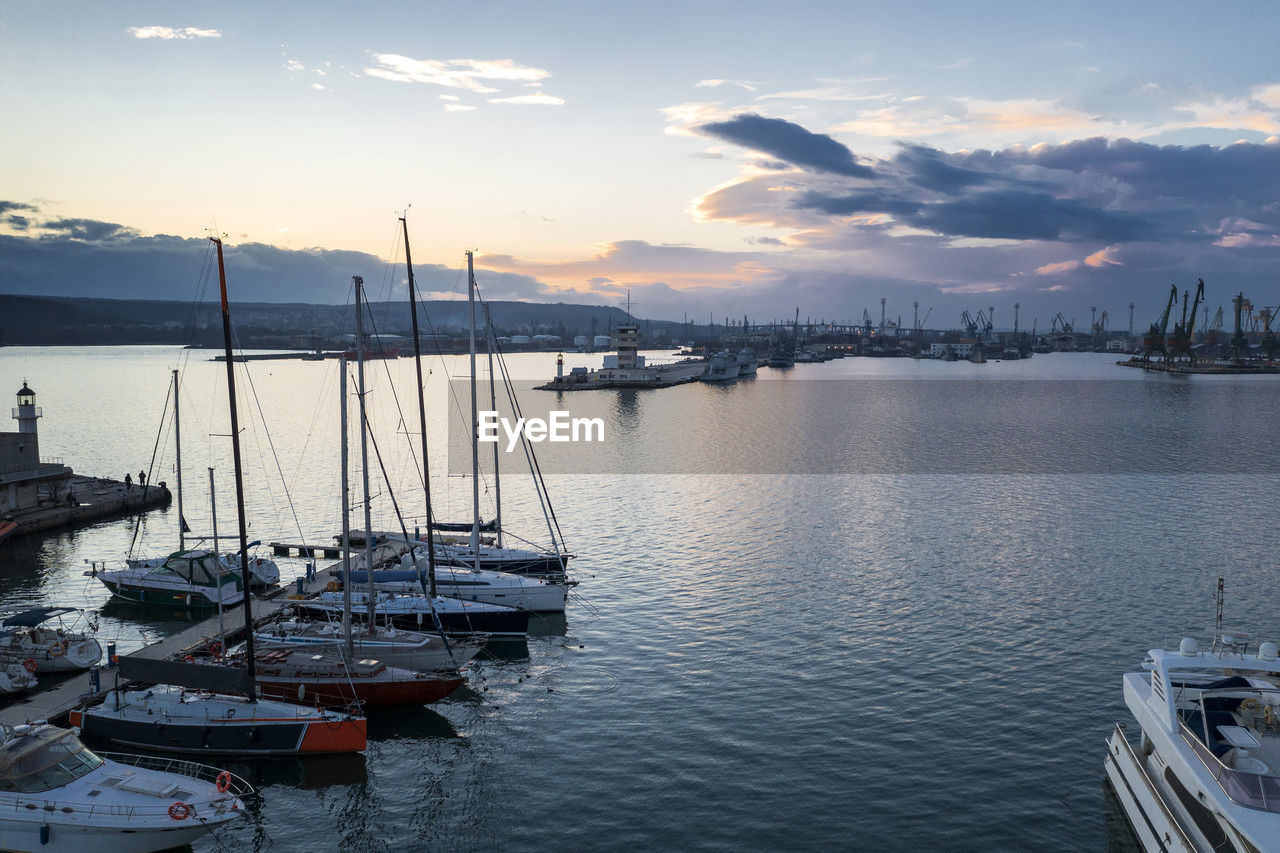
{"x": 712, "y": 159}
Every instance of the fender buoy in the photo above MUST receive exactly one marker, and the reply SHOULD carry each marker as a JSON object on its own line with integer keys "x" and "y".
{"x": 29, "y": 664}
{"x": 216, "y": 651}
{"x": 224, "y": 782}
{"x": 180, "y": 810}
{"x": 189, "y": 659}
{"x": 58, "y": 649}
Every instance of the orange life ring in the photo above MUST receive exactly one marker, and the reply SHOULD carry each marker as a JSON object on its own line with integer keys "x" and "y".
{"x": 216, "y": 651}
{"x": 224, "y": 781}
{"x": 29, "y": 664}
{"x": 181, "y": 810}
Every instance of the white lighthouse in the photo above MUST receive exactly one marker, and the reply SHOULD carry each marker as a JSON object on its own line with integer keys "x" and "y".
{"x": 26, "y": 413}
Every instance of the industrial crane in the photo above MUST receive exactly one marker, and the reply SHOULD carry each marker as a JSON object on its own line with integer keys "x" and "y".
{"x": 1269, "y": 344}
{"x": 1239, "y": 345}
{"x": 1184, "y": 333}
{"x": 1153, "y": 341}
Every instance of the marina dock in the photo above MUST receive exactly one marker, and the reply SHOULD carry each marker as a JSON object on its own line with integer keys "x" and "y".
{"x": 53, "y": 703}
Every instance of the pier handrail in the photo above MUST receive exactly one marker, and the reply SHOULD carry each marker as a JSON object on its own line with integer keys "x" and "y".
{"x": 205, "y": 773}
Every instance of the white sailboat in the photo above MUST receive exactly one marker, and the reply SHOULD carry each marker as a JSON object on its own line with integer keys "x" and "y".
{"x": 215, "y": 707}
{"x": 31, "y": 636}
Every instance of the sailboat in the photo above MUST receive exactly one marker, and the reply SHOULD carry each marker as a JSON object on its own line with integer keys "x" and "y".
{"x": 215, "y": 708}
{"x": 193, "y": 579}
{"x": 31, "y": 636}
{"x": 474, "y": 554}
{"x": 328, "y": 675}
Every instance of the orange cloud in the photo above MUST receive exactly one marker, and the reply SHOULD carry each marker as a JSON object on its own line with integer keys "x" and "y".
{"x": 1102, "y": 257}
{"x": 1060, "y": 266}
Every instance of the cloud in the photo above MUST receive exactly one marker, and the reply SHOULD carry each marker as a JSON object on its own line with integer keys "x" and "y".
{"x": 170, "y": 33}
{"x": 1055, "y": 268}
{"x": 89, "y": 230}
{"x": 547, "y": 100}
{"x": 454, "y": 73}
{"x": 1103, "y": 257}
{"x": 788, "y": 142}
{"x": 7, "y": 206}
{"x": 749, "y": 85}
{"x": 458, "y": 108}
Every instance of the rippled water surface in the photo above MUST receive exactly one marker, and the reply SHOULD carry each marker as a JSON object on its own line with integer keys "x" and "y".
{"x": 901, "y": 655}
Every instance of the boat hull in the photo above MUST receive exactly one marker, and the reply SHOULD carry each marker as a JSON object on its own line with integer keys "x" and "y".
{"x": 227, "y": 737}
{"x": 25, "y": 835}
{"x": 547, "y": 566}
{"x": 337, "y": 693}
{"x": 1142, "y": 800}
{"x": 184, "y": 599}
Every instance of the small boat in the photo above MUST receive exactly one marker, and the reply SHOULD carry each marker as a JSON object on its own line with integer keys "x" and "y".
{"x": 782, "y": 357}
{"x": 747, "y": 362}
{"x": 1204, "y": 773}
{"x": 188, "y": 579}
{"x": 413, "y": 650}
{"x": 548, "y": 565}
{"x": 25, "y": 637}
{"x": 324, "y": 677}
{"x": 525, "y": 593}
{"x": 263, "y": 571}
{"x": 414, "y": 612}
{"x": 18, "y": 677}
{"x": 7, "y": 529}
{"x": 174, "y": 719}
{"x": 56, "y": 795}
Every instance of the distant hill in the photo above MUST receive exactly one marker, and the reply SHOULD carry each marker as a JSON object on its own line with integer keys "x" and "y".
{"x": 50, "y": 320}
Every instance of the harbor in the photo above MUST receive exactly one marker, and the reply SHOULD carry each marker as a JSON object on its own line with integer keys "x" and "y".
{"x": 591, "y": 671}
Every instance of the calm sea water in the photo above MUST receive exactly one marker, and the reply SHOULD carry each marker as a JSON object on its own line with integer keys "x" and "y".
{"x": 920, "y": 651}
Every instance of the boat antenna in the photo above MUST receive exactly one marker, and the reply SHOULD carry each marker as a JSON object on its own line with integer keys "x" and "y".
{"x": 177, "y": 444}
{"x": 235, "y": 455}
{"x": 422, "y": 416}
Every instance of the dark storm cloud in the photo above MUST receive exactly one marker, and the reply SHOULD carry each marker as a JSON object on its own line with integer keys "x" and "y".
{"x": 87, "y": 229}
{"x": 8, "y": 206}
{"x": 788, "y": 142}
{"x": 847, "y": 204}
{"x": 1020, "y": 215}
{"x": 929, "y": 168}
{"x": 20, "y": 223}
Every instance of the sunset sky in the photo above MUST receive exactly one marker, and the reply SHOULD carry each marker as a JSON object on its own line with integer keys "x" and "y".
{"x": 729, "y": 157}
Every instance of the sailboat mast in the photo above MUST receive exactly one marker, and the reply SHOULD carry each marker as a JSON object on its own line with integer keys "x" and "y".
{"x": 250, "y": 664}
{"x": 346, "y": 510}
{"x": 493, "y": 404}
{"x": 364, "y": 443}
{"x": 475, "y": 442}
{"x": 177, "y": 443}
{"x": 422, "y": 415}
{"x": 213, "y": 511}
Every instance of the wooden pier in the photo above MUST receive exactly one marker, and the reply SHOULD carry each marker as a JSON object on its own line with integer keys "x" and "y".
{"x": 285, "y": 549}
{"x": 54, "y": 702}
{"x": 95, "y": 499}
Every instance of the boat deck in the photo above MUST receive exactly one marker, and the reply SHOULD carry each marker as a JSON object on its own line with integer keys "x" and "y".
{"x": 54, "y": 702}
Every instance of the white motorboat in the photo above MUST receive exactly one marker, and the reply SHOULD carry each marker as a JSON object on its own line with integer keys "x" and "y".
{"x": 17, "y": 677}
{"x": 537, "y": 595}
{"x": 1203, "y": 773}
{"x": 748, "y": 363}
{"x": 30, "y": 636}
{"x": 190, "y": 579}
{"x": 414, "y": 650}
{"x": 58, "y": 796}
{"x": 263, "y": 571}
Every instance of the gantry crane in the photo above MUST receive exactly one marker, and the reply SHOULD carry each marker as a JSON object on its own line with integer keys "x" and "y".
{"x": 1184, "y": 333}
{"x": 1153, "y": 341}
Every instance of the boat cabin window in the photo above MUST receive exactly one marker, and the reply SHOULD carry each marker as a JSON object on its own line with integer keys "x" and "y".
{"x": 34, "y": 765}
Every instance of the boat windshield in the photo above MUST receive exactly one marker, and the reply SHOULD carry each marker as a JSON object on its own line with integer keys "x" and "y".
{"x": 49, "y": 759}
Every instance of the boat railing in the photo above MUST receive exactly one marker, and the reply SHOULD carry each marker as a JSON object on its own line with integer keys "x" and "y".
{"x": 237, "y": 786}
{"x": 1121, "y": 739}
{"x": 1246, "y": 789}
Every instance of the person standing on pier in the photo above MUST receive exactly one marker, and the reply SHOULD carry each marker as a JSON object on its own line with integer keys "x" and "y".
{"x": 142, "y": 480}
{"x": 128, "y": 482}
